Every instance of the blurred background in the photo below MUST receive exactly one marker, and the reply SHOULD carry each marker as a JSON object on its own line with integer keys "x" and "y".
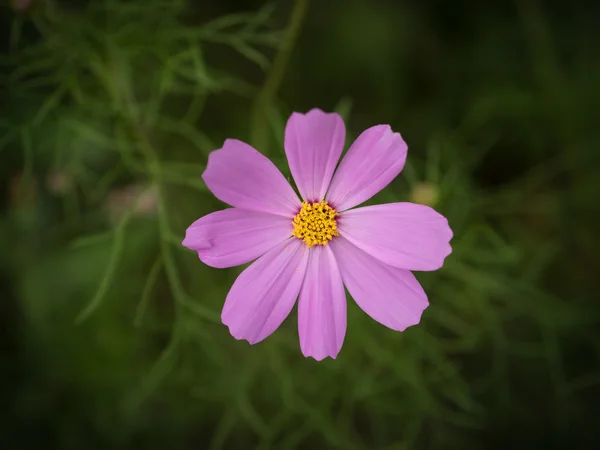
{"x": 110, "y": 329}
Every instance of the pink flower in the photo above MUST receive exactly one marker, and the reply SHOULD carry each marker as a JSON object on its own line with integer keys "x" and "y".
{"x": 310, "y": 250}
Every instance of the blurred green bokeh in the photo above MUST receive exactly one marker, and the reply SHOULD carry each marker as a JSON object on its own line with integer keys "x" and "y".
{"x": 111, "y": 330}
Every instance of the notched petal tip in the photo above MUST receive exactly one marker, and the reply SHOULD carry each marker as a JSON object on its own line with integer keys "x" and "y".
{"x": 214, "y": 155}
{"x": 264, "y": 294}
{"x": 313, "y": 144}
{"x": 375, "y": 158}
{"x": 233, "y": 236}
{"x": 192, "y": 241}
{"x": 316, "y": 112}
{"x": 391, "y": 296}
{"x": 418, "y": 316}
{"x": 404, "y": 235}
{"x": 445, "y": 251}
{"x": 319, "y": 356}
{"x": 322, "y": 307}
{"x": 446, "y": 236}
{"x": 241, "y": 176}
{"x": 238, "y": 336}
{"x": 398, "y": 146}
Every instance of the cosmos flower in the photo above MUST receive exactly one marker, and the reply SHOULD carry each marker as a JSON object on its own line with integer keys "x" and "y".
{"x": 310, "y": 249}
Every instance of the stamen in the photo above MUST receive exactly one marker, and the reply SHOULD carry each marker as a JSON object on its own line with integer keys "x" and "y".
{"x": 315, "y": 224}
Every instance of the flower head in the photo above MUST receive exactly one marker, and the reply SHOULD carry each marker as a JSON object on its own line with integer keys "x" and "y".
{"x": 310, "y": 249}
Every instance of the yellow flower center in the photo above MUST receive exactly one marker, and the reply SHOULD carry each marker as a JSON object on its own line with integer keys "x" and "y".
{"x": 315, "y": 223}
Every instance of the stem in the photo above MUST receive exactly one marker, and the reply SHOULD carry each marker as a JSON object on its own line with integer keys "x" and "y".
{"x": 270, "y": 87}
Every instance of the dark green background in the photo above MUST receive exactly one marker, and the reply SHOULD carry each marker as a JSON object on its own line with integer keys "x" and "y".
{"x": 111, "y": 337}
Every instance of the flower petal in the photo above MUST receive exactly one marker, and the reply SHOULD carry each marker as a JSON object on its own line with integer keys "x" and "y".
{"x": 322, "y": 306}
{"x": 313, "y": 144}
{"x": 391, "y": 296}
{"x": 235, "y": 236}
{"x": 264, "y": 294}
{"x": 403, "y": 235}
{"x": 240, "y": 176}
{"x": 372, "y": 162}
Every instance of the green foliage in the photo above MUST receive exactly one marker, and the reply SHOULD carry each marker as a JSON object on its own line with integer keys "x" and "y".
{"x": 111, "y": 110}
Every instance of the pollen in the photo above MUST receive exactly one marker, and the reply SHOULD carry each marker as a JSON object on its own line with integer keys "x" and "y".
{"x": 315, "y": 224}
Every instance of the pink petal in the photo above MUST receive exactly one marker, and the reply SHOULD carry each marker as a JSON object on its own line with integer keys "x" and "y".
{"x": 391, "y": 296}
{"x": 403, "y": 235}
{"x": 313, "y": 145}
{"x": 242, "y": 177}
{"x": 372, "y": 162}
{"x": 322, "y": 306}
{"x": 264, "y": 294}
{"x": 235, "y": 236}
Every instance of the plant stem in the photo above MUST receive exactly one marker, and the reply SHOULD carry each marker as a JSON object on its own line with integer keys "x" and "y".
{"x": 275, "y": 77}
